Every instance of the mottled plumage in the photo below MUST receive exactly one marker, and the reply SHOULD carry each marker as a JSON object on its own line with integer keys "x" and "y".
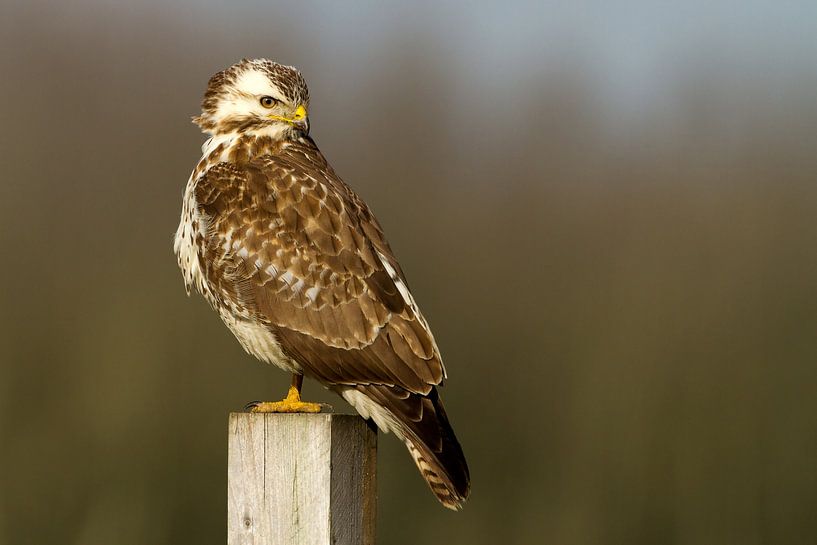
{"x": 298, "y": 268}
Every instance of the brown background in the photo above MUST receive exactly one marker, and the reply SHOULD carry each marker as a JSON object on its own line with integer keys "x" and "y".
{"x": 606, "y": 212}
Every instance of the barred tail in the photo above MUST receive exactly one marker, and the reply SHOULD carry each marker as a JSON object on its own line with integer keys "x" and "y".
{"x": 451, "y": 491}
{"x": 421, "y": 422}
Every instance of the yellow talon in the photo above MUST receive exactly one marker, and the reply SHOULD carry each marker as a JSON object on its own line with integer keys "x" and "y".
{"x": 291, "y": 403}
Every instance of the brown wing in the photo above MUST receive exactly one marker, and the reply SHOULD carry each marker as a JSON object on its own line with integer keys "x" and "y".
{"x": 292, "y": 245}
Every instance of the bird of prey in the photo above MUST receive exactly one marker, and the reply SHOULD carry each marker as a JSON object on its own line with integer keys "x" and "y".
{"x": 298, "y": 268}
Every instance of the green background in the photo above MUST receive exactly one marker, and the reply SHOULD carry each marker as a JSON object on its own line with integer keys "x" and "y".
{"x": 606, "y": 212}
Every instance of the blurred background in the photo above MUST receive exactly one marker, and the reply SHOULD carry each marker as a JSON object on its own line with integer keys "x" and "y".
{"x": 606, "y": 211}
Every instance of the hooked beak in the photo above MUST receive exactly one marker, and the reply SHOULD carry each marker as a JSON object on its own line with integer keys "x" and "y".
{"x": 299, "y": 118}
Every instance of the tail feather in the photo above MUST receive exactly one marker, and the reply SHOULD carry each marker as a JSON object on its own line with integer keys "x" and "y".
{"x": 442, "y": 485}
{"x": 421, "y": 422}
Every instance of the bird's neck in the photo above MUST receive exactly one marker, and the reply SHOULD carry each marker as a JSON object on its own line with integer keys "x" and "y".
{"x": 239, "y": 147}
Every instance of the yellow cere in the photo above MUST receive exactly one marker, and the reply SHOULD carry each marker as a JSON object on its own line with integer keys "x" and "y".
{"x": 298, "y": 115}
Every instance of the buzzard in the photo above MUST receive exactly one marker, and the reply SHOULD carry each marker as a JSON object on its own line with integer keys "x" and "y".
{"x": 298, "y": 268}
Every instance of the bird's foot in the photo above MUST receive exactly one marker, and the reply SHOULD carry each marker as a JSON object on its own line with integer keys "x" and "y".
{"x": 290, "y": 404}
{"x": 285, "y": 406}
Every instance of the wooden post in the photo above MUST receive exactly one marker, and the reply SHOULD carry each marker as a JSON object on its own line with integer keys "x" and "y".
{"x": 300, "y": 479}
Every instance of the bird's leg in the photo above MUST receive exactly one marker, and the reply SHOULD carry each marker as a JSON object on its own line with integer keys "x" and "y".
{"x": 291, "y": 403}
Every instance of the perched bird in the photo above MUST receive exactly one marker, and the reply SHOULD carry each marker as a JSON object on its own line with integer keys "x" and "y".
{"x": 298, "y": 268}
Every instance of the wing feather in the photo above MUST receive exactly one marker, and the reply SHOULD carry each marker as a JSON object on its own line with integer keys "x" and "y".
{"x": 293, "y": 245}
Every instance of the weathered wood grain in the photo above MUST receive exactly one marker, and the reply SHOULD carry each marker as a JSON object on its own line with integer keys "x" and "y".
{"x": 301, "y": 479}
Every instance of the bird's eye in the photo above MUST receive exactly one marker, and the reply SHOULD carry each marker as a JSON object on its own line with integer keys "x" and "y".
{"x": 268, "y": 102}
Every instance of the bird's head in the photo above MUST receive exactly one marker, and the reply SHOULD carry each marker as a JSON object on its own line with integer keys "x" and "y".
{"x": 256, "y": 96}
